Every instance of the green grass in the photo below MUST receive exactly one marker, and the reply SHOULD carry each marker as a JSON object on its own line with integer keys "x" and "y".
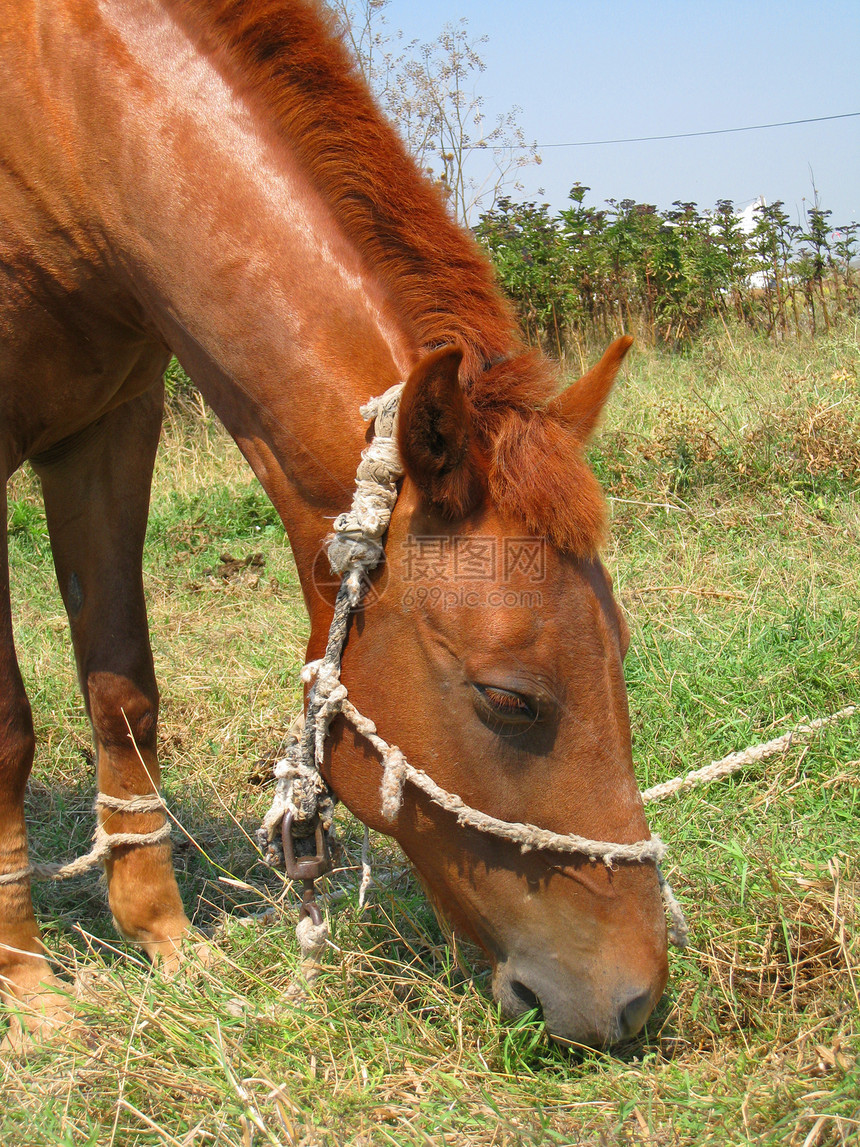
{"x": 734, "y": 549}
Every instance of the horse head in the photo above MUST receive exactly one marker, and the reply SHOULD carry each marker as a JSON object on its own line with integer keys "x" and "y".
{"x": 492, "y": 656}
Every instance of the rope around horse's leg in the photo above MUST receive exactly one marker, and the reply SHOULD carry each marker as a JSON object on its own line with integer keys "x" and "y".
{"x": 104, "y": 844}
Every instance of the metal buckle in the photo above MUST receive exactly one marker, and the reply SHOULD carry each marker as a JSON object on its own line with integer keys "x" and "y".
{"x": 309, "y": 906}
{"x": 305, "y": 867}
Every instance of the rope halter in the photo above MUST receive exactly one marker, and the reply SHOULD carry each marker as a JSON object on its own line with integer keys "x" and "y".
{"x": 302, "y": 798}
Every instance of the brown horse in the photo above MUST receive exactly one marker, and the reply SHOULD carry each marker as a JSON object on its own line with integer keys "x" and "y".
{"x": 210, "y": 178}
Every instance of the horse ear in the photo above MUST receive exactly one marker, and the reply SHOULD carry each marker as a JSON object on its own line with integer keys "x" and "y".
{"x": 436, "y": 437}
{"x": 581, "y": 404}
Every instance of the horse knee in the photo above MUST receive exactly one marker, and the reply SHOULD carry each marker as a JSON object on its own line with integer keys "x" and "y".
{"x": 122, "y": 711}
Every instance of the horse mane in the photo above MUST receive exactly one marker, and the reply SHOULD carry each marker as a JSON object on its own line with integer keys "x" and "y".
{"x": 290, "y": 56}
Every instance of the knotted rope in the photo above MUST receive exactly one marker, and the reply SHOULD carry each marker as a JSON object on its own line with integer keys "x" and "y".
{"x": 299, "y": 790}
{"x": 354, "y": 549}
{"x": 105, "y": 842}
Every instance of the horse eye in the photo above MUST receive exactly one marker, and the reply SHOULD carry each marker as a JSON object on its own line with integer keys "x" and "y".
{"x": 506, "y": 704}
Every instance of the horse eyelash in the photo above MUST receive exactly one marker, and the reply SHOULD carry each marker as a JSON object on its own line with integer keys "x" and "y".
{"x": 504, "y": 701}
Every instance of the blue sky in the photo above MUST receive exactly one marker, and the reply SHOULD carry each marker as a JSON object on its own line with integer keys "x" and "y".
{"x": 618, "y": 69}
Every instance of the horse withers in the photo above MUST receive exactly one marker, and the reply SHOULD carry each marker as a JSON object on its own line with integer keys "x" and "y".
{"x": 211, "y": 178}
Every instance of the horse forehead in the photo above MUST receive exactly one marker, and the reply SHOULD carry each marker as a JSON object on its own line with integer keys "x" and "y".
{"x": 543, "y": 600}
{"x": 496, "y": 583}
{"x": 566, "y": 583}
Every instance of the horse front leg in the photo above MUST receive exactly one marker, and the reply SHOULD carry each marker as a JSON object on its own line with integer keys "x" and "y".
{"x": 96, "y": 491}
{"x": 27, "y": 984}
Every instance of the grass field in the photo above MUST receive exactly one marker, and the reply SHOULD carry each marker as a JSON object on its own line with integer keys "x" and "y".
{"x": 734, "y": 478}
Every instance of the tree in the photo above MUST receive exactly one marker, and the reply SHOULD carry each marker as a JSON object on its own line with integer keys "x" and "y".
{"x": 845, "y": 242}
{"x": 428, "y": 91}
{"x": 731, "y": 240}
{"x": 817, "y": 255}
{"x": 531, "y": 260}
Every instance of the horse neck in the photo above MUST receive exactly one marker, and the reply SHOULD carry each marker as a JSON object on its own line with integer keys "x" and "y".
{"x": 241, "y": 267}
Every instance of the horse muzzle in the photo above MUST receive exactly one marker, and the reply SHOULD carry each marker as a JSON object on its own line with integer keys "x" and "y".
{"x": 578, "y": 1011}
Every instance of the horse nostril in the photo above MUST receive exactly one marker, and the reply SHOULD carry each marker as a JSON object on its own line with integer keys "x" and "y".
{"x": 634, "y": 1014}
{"x": 524, "y": 995}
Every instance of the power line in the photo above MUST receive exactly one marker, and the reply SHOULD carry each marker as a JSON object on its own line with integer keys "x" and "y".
{"x": 652, "y": 138}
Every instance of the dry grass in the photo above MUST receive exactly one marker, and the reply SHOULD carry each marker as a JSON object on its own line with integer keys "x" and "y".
{"x": 716, "y": 423}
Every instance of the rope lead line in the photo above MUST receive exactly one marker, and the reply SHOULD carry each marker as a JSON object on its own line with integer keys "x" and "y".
{"x": 716, "y": 770}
